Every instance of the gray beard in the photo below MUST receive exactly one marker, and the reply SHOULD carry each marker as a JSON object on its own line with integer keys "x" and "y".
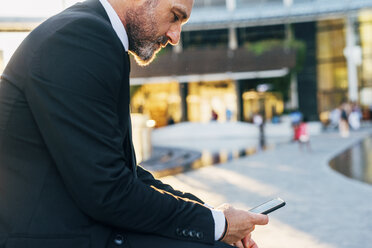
{"x": 142, "y": 31}
{"x": 145, "y": 50}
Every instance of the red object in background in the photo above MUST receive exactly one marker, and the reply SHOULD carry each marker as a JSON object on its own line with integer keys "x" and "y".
{"x": 302, "y": 129}
{"x": 297, "y": 133}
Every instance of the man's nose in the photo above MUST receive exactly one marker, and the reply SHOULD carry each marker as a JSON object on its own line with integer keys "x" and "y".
{"x": 174, "y": 34}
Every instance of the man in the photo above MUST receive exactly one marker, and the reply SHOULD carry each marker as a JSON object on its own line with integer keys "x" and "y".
{"x": 67, "y": 170}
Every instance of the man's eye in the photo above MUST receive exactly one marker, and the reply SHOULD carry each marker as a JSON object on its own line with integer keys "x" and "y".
{"x": 176, "y": 18}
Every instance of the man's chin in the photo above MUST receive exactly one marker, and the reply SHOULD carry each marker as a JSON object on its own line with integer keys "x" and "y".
{"x": 145, "y": 60}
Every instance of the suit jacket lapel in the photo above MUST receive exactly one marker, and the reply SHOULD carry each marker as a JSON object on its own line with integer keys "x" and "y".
{"x": 133, "y": 154}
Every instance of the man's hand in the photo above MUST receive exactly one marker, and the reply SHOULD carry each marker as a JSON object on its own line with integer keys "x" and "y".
{"x": 240, "y": 224}
{"x": 247, "y": 242}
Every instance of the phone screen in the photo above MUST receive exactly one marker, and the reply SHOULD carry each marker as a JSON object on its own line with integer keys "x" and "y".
{"x": 269, "y": 206}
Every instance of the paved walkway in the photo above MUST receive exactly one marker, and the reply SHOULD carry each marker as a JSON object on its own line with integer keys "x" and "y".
{"x": 214, "y": 137}
{"x": 186, "y": 146}
{"x": 324, "y": 209}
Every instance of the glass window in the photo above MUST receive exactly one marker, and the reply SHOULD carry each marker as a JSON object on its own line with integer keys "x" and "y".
{"x": 205, "y": 38}
{"x": 365, "y": 29}
{"x": 330, "y": 40}
{"x": 331, "y": 99}
{"x": 367, "y": 72}
{"x": 160, "y": 102}
{"x": 212, "y": 100}
{"x": 332, "y": 74}
{"x": 254, "y": 34}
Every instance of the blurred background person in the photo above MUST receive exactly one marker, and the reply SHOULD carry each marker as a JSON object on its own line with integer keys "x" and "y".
{"x": 303, "y": 134}
{"x": 344, "y": 121}
{"x": 355, "y": 117}
{"x": 335, "y": 117}
{"x": 214, "y": 115}
{"x": 296, "y": 117}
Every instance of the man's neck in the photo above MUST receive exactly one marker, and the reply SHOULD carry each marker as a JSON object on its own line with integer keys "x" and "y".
{"x": 120, "y": 7}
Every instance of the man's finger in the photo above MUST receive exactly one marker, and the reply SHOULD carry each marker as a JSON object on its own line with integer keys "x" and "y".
{"x": 239, "y": 244}
{"x": 246, "y": 241}
{"x": 252, "y": 244}
{"x": 259, "y": 219}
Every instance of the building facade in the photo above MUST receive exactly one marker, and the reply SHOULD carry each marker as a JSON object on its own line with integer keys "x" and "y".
{"x": 238, "y": 58}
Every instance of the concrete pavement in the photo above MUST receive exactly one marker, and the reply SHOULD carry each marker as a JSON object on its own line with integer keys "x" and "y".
{"x": 324, "y": 209}
{"x": 186, "y": 146}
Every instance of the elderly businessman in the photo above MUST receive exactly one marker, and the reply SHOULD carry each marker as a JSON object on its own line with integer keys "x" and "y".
{"x": 68, "y": 175}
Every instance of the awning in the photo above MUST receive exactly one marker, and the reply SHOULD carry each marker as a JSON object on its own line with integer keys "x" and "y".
{"x": 214, "y": 64}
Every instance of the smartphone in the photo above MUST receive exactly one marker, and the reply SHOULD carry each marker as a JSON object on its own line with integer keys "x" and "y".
{"x": 268, "y": 207}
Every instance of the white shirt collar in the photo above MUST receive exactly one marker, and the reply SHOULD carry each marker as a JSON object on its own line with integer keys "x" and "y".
{"x": 116, "y": 23}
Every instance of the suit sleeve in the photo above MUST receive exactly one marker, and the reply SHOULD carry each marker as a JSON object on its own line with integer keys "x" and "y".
{"x": 76, "y": 75}
{"x": 146, "y": 177}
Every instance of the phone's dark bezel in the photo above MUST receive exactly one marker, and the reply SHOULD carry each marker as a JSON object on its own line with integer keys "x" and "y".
{"x": 281, "y": 204}
{"x": 273, "y": 208}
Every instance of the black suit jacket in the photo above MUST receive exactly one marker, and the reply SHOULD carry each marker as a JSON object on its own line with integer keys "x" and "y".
{"x": 66, "y": 178}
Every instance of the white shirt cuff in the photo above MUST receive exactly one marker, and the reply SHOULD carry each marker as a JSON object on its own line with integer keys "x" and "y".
{"x": 219, "y": 223}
